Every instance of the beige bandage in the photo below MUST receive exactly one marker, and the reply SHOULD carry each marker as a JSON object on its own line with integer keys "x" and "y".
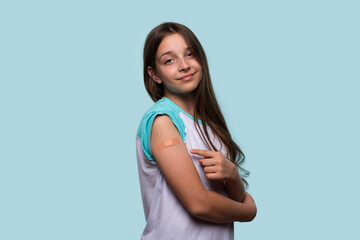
{"x": 168, "y": 143}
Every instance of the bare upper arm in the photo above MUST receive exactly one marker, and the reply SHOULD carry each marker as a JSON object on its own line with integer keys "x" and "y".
{"x": 176, "y": 164}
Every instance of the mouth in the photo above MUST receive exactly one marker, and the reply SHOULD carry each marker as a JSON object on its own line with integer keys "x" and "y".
{"x": 187, "y": 77}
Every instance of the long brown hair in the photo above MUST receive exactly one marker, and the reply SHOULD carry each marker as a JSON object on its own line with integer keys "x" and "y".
{"x": 206, "y": 106}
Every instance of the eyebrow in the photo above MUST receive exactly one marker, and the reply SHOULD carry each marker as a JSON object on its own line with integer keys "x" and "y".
{"x": 165, "y": 54}
{"x": 169, "y": 52}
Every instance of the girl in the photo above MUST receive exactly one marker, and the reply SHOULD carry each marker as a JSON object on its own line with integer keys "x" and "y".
{"x": 187, "y": 160}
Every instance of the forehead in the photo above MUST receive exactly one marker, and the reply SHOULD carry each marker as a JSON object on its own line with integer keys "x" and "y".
{"x": 172, "y": 43}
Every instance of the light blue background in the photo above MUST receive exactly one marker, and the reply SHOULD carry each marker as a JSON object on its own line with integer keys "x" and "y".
{"x": 286, "y": 74}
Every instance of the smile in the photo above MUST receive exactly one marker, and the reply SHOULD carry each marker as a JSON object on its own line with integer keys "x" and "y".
{"x": 187, "y": 77}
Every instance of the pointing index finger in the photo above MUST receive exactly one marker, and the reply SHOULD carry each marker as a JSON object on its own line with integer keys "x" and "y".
{"x": 205, "y": 153}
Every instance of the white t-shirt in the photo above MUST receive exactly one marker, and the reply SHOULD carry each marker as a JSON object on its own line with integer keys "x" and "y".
{"x": 166, "y": 217}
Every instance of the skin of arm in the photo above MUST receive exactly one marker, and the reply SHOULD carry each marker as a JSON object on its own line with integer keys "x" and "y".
{"x": 180, "y": 173}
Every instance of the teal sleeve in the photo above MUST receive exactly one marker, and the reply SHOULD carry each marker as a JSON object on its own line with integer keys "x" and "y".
{"x": 144, "y": 131}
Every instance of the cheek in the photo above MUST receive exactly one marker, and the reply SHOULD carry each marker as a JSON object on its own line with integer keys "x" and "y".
{"x": 168, "y": 72}
{"x": 197, "y": 65}
{"x": 200, "y": 76}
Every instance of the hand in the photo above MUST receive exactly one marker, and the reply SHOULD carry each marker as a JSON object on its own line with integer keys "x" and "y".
{"x": 216, "y": 166}
{"x": 248, "y": 199}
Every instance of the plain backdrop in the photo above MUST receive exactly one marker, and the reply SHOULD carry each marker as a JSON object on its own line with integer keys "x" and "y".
{"x": 285, "y": 73}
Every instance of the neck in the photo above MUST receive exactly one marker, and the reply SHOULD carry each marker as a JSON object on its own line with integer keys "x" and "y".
{"x": 186, "y": 103}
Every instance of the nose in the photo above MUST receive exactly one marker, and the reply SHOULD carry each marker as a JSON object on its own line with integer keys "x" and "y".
{"x": 183, "y": 65}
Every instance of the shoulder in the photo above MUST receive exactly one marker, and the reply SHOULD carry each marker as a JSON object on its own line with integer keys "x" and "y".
{"x": 163, "y": 129}
{"x": 160, "y": 107}
{"x": 166, "y": 117}
{"x": 162, "y": 123}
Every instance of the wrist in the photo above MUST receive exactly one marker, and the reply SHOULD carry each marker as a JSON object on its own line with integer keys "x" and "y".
{"x": 234, "y": 176}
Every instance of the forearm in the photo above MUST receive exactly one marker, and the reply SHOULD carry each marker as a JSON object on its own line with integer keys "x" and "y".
{"x": 220, "y": 209}
{"x": 235, "y": 188}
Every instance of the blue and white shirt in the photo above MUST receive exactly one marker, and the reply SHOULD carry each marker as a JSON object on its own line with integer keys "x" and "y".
{"x": 166, "y": 217}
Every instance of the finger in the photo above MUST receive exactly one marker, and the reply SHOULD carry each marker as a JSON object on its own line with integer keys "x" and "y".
{"x": 210, "y": 169}
{"x": 248, "y": 198}
{"x": 212, "y": 176}
{"x": 205, "y": 153}
{"x": 208, "y": 162}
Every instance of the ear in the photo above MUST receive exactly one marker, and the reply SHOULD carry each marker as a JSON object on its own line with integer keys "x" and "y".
{"x": 153, "y": 75}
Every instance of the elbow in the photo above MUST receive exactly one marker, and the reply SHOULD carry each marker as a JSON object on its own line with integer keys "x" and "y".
{"x": 199, "y": 208}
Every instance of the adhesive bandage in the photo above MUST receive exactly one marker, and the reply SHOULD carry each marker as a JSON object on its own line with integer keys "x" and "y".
{"x": 168, "y": 143}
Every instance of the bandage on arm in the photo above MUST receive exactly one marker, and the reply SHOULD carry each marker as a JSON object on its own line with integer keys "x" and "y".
{"x": 168, "y": 143}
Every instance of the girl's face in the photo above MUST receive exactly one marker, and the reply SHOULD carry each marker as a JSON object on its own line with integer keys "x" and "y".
{"x": 177, "y": 68}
